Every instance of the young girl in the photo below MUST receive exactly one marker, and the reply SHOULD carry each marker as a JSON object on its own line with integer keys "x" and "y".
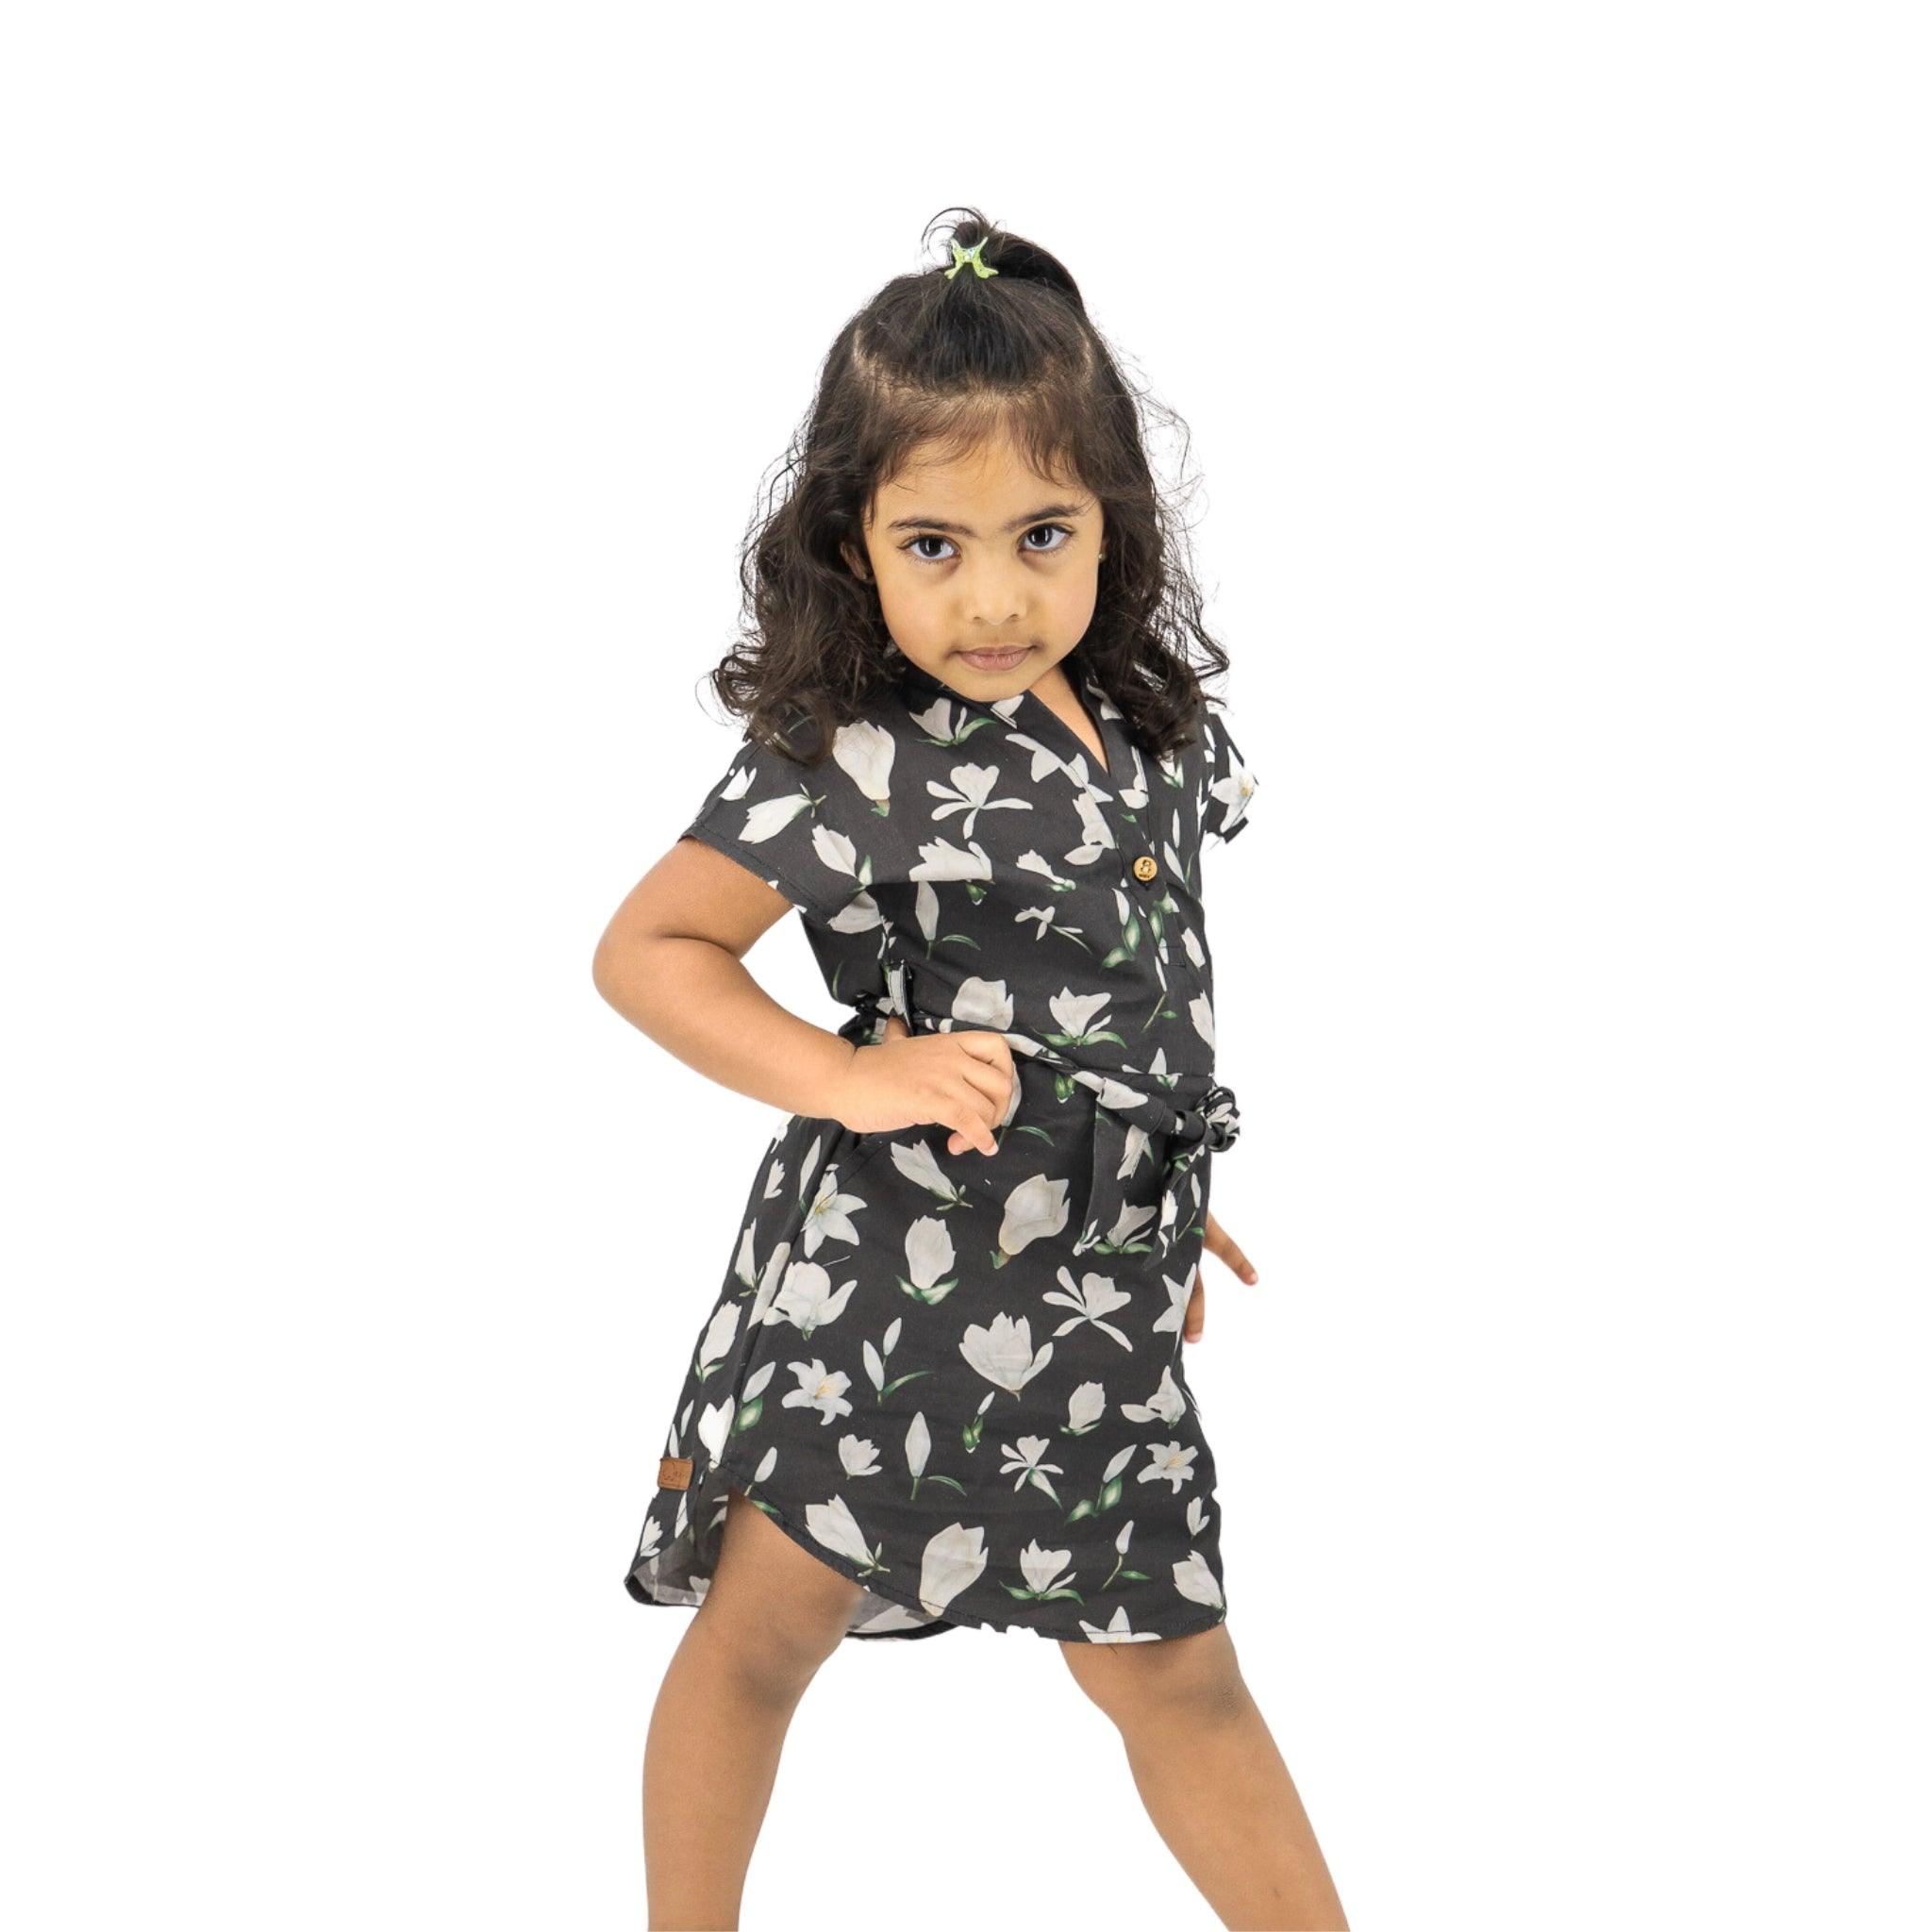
{"x": 942, "y": 1384}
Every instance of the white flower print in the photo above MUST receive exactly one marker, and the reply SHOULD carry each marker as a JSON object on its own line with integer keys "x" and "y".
{"x": 836, "y": 851}
{"x": 1097, "y": 1296}
{"x": 1096, "y": 839}
{"x": 809, "y": 1165}
{"x": 929, "y": 1259}
{"x": 770, "y": 816}
{"x": 1118, "y": 1630}
{"x": 863, "y": 751}
{"x": 830, "y": 1214}
{"x": 719, "y": 1333}
{"x": 939, "y": 860}
{"x": 1169, "y": 1221}
{"x": 744, "y": 1268}
{"x": 1202, "y": 1013}
{"x": 760, "y": 1309}
{"x": 857, "y": 1456}
{"x": 1045, "y": 761}
{"x": 984, "y": 1003}
{"x": 920, "y": 1165}
{"x": 1028, "y": 1458}
{"x": 1179, "y": 1293}
{"x": 1072, "y": 1011}
{"x": 918, "y": 1446}
{"x": 1045, "y": 1570}
{"x": 808, "y": 1299}
{"x": 714, "y": 1424}
{"x": 1116, "y": 1095}
{"x": 955, "y": 1558}
{"x": 859, "y": 913}
{"x": 1001, "y": 1351}
{"x": 1037, "y": 1206}
{"x": 1136, "y": 1148}
{"x": 970, "y": 792}
{"x": 834, "y": 1525}
{"x": 1167, "y": 1404}
{"x": 1034, "y": 862}
{"x": 1046, "y": 916}
{"x": 944, "y": 722}
{"x": 1085, "y": 1407}
{"x": 875, "y": 1365}
{"x": 821, "y": 1388}
{"x": 1172, "y": 1463}
{"x": 1233, "y": 791}
{"x": 1195, "y": 1580}
{"x": 1126, "y": 1224}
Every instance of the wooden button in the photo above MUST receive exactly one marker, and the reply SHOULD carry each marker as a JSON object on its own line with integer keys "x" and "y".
{"x": 1145, "y": 867}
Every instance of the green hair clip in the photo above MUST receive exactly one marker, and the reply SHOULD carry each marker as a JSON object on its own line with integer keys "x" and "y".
{"x": 962, "y": 256}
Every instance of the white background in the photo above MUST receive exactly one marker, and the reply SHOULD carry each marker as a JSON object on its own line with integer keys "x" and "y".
{"x": 387, "y": 391}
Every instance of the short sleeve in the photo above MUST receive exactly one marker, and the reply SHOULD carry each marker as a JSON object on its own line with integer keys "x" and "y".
{"x": 1228, "y": 782}
{"x": 770, "y": 813}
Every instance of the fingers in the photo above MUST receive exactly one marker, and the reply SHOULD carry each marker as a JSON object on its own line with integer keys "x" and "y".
{"x": 989, "y": 1081}
{"x": 981, "y": 1082}
{"x": 971, "y": 1115}
{"x": 983, "y": 1045}
{"x": 1220, "y": 1242}
{"x": 987, "y": 1090}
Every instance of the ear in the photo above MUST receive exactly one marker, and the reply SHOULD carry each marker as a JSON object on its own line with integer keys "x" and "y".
{"x": 856, "y": 563}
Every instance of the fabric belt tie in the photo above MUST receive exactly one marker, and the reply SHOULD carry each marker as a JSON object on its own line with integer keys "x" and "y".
{"x": 1131, "y": 1125}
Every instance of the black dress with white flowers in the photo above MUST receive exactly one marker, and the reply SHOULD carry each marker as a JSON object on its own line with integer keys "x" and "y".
{"x": 957, "y": 1380}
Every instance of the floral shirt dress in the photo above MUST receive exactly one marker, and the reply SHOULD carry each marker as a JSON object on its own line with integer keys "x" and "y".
{"x": 957, "y": 1378}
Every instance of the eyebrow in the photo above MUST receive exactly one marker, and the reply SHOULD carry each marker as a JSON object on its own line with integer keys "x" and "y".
{"x": 1048, "y": 509}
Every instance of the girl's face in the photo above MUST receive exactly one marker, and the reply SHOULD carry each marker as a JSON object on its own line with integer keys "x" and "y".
{"x": 986, "y": 573}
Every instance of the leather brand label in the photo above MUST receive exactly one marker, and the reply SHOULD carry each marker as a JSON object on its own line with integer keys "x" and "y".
{"x": 673, "y": 1471}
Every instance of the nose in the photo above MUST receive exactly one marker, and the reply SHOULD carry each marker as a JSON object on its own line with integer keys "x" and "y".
{"x": 993, "y": 595}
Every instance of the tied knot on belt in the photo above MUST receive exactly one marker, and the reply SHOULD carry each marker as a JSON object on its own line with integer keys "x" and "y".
{"x": 866, "y": 1020}
{"x": 1217, "y": 1120}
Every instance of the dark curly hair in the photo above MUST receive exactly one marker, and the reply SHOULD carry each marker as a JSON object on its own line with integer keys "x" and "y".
{"x": 951, "y": 362}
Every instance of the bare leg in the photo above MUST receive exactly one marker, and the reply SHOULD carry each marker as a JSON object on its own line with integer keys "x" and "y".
{"x": 1213, "y": 1783}
{"x": 772, "y": 1615}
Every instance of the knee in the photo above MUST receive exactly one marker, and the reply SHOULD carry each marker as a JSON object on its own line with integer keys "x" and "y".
{"x": 770, "y": 1664}
{"x": 1192, "y": 1681}
{"x": 775, "y": 1615}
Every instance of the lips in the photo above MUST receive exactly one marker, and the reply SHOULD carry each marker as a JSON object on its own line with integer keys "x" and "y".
{"x": 995, "y": 659}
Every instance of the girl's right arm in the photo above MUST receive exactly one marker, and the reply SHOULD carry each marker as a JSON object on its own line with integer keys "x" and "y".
{"x": 672, "y": 962}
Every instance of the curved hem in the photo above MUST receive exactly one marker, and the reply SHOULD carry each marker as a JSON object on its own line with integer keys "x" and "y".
{"x": 902, "y": 1598}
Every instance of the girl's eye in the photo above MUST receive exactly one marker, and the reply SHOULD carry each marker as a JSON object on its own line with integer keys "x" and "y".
{"x": 1039, "y": 550}
{"x": 1048, "y": 530}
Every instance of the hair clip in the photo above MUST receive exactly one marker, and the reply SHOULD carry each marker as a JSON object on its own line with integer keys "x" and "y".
{"x": 962, "y": 256}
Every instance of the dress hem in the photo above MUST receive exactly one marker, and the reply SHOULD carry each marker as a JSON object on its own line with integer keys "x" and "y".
{"x": 901, "y": 1598}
